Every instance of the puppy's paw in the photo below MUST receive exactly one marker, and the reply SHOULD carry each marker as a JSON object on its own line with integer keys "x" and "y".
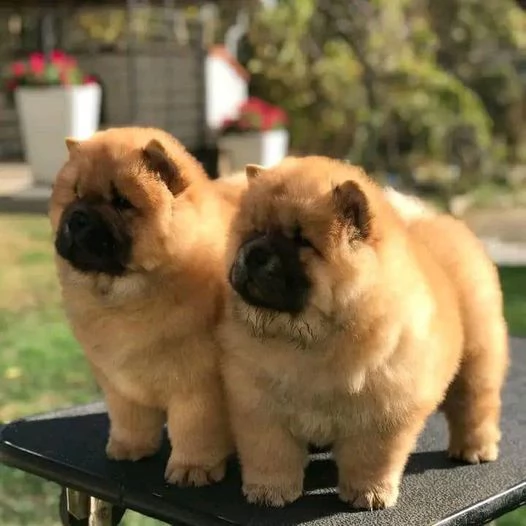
{"x": 193, "y": 475}
{"x": 474, "y": 454}
{"x": 121, "y": 450}
{"x": 373, "y": 497}
{"x": 275, "y": 493}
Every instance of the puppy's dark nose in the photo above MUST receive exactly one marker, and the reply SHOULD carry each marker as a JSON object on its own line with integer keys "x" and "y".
{"x": 78, "y": 222}
{"x": 261, "y": 260}
{"x": 267, "y": 273}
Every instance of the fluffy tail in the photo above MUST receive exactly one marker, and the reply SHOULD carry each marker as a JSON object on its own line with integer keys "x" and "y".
{"x": 409, "y": 207}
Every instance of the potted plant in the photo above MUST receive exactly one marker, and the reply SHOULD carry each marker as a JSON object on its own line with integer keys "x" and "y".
{"x": 256, "y": 135}
{"x": 54, "y": 100}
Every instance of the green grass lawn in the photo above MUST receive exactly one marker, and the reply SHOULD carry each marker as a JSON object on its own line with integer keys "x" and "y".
{"x": 42, "y": 367}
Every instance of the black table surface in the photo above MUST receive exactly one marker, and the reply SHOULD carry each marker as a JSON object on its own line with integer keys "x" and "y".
{"x": 67, "y": 447}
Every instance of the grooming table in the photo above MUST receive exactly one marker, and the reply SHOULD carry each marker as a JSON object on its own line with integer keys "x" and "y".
{"x": 67, "y": 447}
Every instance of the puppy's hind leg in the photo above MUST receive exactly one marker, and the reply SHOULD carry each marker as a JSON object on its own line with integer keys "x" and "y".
{"x": 473, "y": 402}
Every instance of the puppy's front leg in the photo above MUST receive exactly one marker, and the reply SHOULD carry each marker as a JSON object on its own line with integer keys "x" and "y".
{"x": 272, "y": 460}
{"x": 371, "y": 462}
{"x": 135, "y": 430}
{"x": 199, "y": 435}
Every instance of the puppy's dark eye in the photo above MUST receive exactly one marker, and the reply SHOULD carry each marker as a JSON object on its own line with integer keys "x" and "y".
{"x": 119, "y": 202}
{"x": 300, "y": 240}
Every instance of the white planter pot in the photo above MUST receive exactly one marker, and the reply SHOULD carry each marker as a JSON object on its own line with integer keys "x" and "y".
{"x": 47, "y": 116}
{"x": 264, "y": 148}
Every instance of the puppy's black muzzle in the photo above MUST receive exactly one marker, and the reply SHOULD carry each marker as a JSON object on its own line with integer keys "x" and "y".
{"x": 93, "y": 241}
{"x": 268, "y": 273}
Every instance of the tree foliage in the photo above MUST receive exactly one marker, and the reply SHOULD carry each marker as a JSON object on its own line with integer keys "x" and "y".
{"x": 391, "y": 83}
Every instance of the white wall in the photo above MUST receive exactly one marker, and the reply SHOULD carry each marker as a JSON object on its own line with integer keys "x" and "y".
{"x": 226, "y": 90}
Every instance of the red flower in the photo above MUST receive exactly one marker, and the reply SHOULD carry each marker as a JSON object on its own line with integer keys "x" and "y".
{"x": 256, "y": 114}
{"x": 253, "y": 104}
{"x": 57, "y": 68}
{"x": 37, "y": 63}
{"x": 267, "y": 122}
{"x": 90, "y": 79}
{"x": 57, "y": 56}
{"x": 18, "y": 68}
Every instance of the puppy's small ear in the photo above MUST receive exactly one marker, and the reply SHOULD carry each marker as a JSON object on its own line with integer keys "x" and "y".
{"x": 157, "y": 160}
{"x": 254, "y": 170}
{"x": 352, "y": 207}
{"x": 72, "y": 144}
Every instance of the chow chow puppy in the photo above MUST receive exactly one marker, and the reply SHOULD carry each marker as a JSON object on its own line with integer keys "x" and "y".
{"x": 348, "y": 324}
{"x": 140, "y": 239}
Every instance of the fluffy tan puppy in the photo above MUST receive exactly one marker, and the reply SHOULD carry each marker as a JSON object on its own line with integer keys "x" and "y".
{"x": 140, "y": 240}
{"x": 348, "y": 324}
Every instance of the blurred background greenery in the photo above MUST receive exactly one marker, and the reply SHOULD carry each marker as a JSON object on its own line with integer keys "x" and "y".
{"x": 422, "y": 90}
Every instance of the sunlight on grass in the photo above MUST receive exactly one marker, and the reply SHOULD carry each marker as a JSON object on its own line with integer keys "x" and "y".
{"x": 42, "y": 367}
{"x": 513, "y": 281}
